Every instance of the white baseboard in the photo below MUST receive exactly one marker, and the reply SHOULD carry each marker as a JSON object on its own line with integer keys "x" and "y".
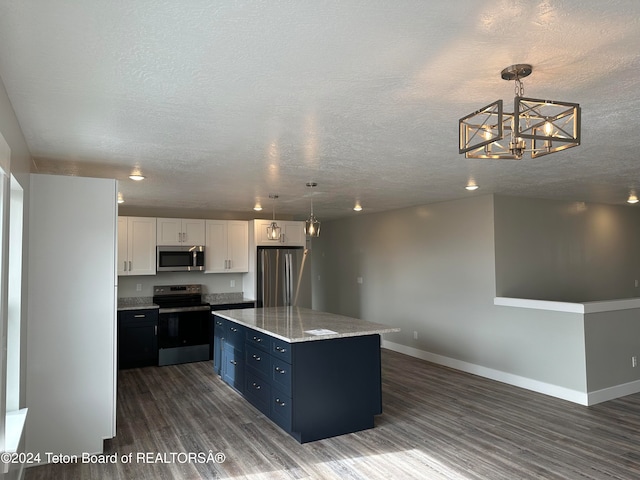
{"x": 508, "y": 378}
{"x": 599, "y": 396}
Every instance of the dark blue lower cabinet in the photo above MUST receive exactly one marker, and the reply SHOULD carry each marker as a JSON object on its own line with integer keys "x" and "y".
{"x": 312, "y": 390}
{"x": 258, "y": 392}
{"x": 216, "y": 354}
{"x": 233, "y": 367}
{"x": 281, "y": 410}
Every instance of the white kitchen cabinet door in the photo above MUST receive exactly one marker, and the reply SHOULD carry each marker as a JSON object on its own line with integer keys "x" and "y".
{"x": 168, "y": 231}
{"x": 136, "y": 246}
{"x": 180, "y": 231}
{"x": 123, "y": 249}
{"x": 238, "y": 246}
{"x": 291, "y": 233}
{"x": 227, "y": 246}
{"x": 215, "y": 251}
{"x": 294, "y": 234}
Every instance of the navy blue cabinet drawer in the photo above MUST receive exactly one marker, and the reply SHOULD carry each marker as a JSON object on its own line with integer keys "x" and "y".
{"x": 258, "y": 392}
{"x": 281, "y": 375}
{"x": 281, "y": 350}
{"x": 258, "y": 339}
{"x": 234, "y": 334}
{"x": 281, "y": 409}
{"x": 258, "y": 360}
{"x": 233, "y": 367}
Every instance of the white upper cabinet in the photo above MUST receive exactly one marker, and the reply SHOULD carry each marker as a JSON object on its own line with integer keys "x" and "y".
{"x": 136, "y": 246}
{"x": 180, "y": 231}
{"x": 291, "y": 233}
{"x": 226, "y": 246}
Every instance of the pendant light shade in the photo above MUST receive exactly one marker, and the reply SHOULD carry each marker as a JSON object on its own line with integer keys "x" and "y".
{"x": 273, "y": 230}
{"x": 312, "y": 224}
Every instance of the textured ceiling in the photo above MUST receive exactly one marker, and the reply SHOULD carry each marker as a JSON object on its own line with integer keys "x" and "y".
{"x": 221, "y": 103}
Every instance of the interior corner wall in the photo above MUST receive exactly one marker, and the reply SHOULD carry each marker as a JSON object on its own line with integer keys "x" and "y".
{"x": 565, "y": 251}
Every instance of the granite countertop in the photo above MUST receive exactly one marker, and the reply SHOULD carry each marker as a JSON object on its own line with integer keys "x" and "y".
{"x": 296, "y": 324}
{"x": 141, "y": 303}
{"x": 136, "y": 303}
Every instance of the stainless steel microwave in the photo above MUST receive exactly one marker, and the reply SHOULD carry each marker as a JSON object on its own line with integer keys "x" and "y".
{"x": 180, "y": 258}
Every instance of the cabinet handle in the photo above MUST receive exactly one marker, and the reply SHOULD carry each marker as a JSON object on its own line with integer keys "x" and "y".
{"x": 229, "y": 267}
{"x": 233, "y": 329}
{"x": 129, "y": 265}
{"x": 256, "y": 386}
{"x": 256, "y": 357}
{"x": 125, "y": 266}
{"x": 141, "y": 315}
{"x": 155, "y": 330}
{"x": 280, "y": 349}
{"x": 280, "y": 402}
{"x": 280, "y": 370}
{"x": 257, "y": 339}
{"x": 233, "y": 362}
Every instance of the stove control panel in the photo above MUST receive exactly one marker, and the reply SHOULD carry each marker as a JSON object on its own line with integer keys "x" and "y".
{"x": 193, "y": 289}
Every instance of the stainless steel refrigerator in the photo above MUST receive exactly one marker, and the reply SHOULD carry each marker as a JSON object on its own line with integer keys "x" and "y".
{"x": 284, "y": 277}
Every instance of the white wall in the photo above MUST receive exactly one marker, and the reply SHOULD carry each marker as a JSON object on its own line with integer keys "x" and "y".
{"x": 71, "y": 365}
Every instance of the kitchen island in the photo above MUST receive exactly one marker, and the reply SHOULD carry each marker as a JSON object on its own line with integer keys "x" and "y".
{"x": 315, "y": 374}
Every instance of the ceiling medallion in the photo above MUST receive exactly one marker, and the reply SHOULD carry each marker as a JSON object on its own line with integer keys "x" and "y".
{"x": 537, "y": 126}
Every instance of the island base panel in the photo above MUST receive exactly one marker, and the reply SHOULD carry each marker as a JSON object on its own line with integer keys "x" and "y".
{"x": 337, "y": 387}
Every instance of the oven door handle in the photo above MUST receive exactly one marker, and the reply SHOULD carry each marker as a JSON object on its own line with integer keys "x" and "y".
{"x": 197, "y": 308}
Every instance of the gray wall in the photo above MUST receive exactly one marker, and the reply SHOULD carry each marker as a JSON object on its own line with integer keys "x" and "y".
{"x": 430, "y": 270}
{"x": 611, "y": 339}
{"x": 566, "y": 251}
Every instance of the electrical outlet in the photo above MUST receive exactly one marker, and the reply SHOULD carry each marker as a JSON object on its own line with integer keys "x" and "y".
{"x": 359, "y": 280}
{"x": 634, "y": 361}
{"x": 415, "y": 335}
{"x": 232, "y": 283}
{"x": 636, "y": 283}
{"x": 138, "y": 287}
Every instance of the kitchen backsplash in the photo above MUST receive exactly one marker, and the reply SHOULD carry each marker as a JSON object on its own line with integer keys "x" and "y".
{"x": 142, "y": 285}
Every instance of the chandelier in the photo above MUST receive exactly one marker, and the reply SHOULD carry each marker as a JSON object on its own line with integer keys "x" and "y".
{"x": 536, "y": 126}
{"x": 312, "y": 225}
{"x": 273, "y": 230}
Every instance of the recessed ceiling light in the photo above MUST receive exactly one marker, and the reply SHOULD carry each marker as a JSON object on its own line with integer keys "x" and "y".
{"x": 137, "y": 177}
{"x": 633, "y": 198}
{"x": 120, "y": 199}
{"x": 358, "y": 207}
{"x": 258, "y": 207}
{"x": 471, "y": 187}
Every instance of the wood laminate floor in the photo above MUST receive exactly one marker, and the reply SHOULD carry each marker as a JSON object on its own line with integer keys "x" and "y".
{"x": 437, "y": 423}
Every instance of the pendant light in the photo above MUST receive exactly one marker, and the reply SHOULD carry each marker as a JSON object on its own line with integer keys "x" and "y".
{"x": 273, "y": 230}
{"x": 312, "y": 225}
